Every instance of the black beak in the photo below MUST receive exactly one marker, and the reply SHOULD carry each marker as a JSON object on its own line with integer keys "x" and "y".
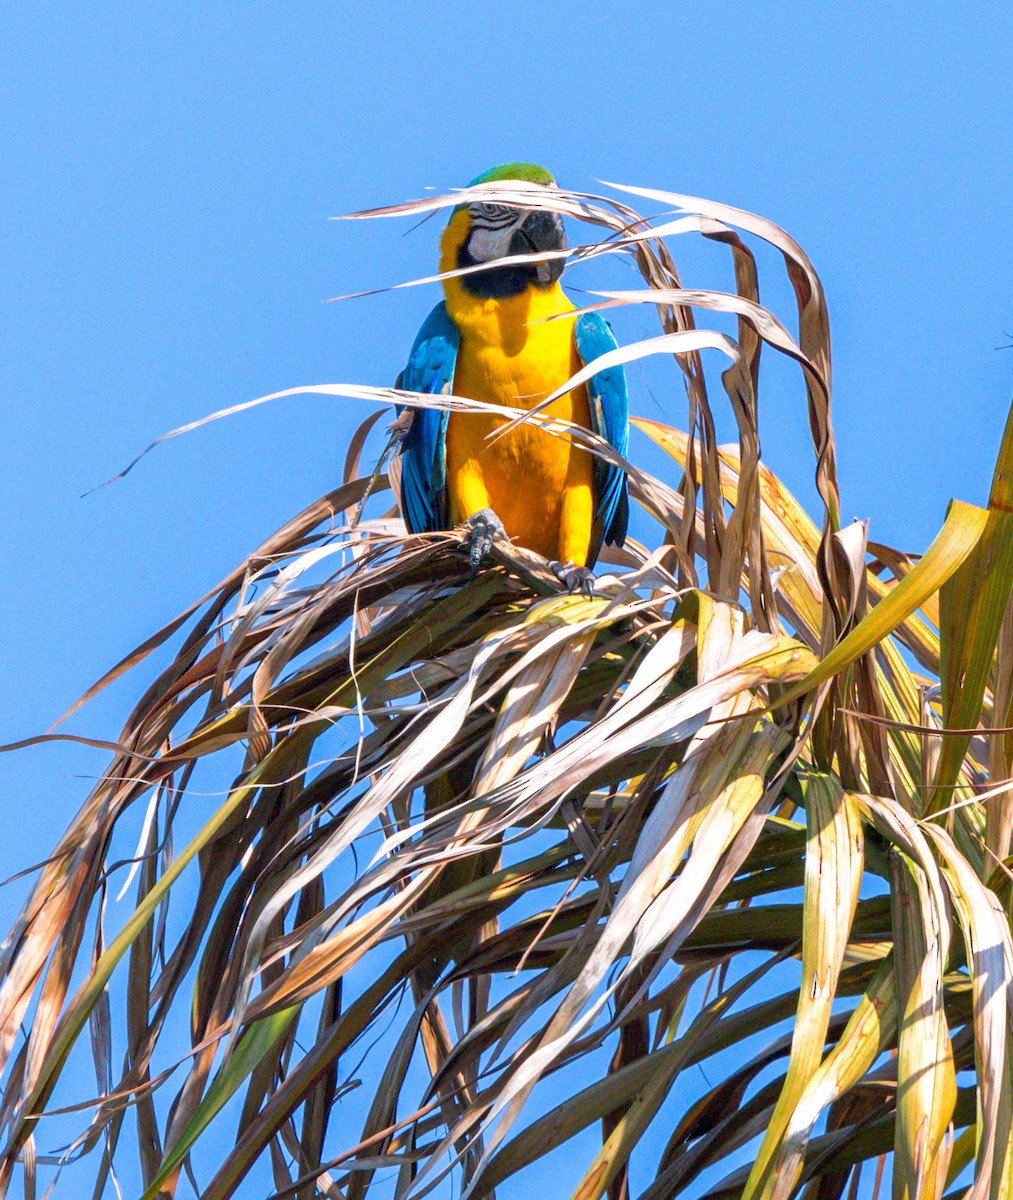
{"x": 541, "y": 231}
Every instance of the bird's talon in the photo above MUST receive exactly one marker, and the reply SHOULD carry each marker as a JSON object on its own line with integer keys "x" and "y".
{"x": 575, "y": 579}
{"x": 485, "y": 526}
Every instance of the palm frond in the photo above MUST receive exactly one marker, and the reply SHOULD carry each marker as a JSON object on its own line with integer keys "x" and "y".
{"x": 520, "y": 861}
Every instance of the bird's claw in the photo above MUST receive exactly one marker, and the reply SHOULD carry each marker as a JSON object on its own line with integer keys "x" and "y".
{"x": 575, "y": 579}
{"x": 485, "y": 526}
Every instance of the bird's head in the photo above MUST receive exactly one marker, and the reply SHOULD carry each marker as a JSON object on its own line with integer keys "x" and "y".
{"x": 480, "y": 233}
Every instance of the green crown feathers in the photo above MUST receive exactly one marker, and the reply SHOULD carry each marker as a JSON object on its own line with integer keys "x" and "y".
{"x": 526, "y": 172}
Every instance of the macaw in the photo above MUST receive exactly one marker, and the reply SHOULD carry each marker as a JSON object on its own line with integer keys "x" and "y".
{"x": 490, "y": 339}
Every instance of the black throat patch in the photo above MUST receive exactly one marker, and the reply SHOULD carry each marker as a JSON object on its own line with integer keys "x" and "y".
{"x": 494, "y": 283}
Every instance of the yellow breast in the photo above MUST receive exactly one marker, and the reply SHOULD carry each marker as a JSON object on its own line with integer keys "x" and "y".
{"x": 510, "y": 354}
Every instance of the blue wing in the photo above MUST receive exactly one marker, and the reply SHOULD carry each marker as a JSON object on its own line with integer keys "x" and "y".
{"x": 424, "y": 450}
{"x": 609, "y": 403}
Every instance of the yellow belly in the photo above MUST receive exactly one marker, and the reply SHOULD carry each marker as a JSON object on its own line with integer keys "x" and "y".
{"x": 537, "y": 484}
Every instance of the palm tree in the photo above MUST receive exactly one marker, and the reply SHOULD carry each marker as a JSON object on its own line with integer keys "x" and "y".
{"x": 702, "y": 878}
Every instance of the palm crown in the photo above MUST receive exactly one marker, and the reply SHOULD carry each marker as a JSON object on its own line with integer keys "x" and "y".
{"x": 742, "y": 808}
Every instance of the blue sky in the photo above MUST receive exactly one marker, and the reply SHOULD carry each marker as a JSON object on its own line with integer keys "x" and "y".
{"x": 166, "y": 178}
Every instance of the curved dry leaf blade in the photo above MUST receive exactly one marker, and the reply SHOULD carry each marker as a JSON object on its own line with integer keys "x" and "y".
{"x": 834, "y": 865}
{"x": 926, "y": 1080}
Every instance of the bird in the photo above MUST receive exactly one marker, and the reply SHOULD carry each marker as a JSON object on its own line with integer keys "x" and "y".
{"x": 509, "y": 336}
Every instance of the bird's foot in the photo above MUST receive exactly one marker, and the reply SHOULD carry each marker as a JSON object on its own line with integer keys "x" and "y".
{"x": 576, "y": 579}
{"x": 485, "y": 527}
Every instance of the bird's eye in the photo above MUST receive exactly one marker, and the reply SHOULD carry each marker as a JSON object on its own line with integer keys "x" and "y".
{"x": 495, "y": 212}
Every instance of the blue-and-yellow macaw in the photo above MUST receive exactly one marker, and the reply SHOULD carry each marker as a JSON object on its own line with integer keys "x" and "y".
{"x": 489, "y": 339}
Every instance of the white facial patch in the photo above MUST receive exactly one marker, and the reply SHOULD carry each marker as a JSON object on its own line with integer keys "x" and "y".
{"x": 492, "y": 227}
{"x": 485, "y": 245}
